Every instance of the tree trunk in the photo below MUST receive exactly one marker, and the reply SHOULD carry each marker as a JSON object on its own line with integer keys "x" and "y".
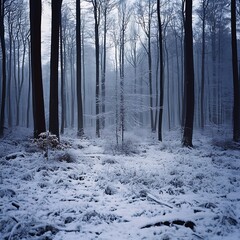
{"x": 203, "y": 65}
{"x": 53, "y": 108}
{"x": 4, "y": 75}
{"x": 188, "y": 77}
{"x": 29, "y": 87}
{"x": 96, "y": 19}
{"x": 3, "y": 68}
{"x": 37, "y": 88}
{"x": 236, "y": 89}
{"x": 104, "y": 68}
{"x": 80, "y": 131}
{"x": 10, "y": 28}
{"x": 63, "y": 88}
{"x": 161, "y": 79}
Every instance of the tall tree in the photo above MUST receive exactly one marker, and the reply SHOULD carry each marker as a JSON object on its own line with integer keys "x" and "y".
{"x": 236, "y": 88}
{"x": 124, "y": 16}
{"x": 161, "y": 82}
{"x": 37, "y": 87}
{"x": 53, "y": 109}
{"x": 80, "y": 132}
{"x": 188, "y": 76}
{"x": 63, "y": 72}
{"x": 4, "y": 76}
{"x": 106, "y": 6}
{"x": 96, "y": 11}
{"x": 146, "y": 10}
{"x": 202, "y": 15}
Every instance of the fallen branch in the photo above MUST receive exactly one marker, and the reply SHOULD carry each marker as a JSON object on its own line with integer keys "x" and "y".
{"x": 151, "y": 197}
{"x": 15, "y": 205}
{"x": 13, "y": 230}
{"x": 144, "y": 193}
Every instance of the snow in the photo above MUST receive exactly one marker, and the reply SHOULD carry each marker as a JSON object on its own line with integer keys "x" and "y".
{"x": 87, "y": 190}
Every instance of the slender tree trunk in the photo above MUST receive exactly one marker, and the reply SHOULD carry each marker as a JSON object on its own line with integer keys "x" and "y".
{"x": 53, "y": 113}
{"x": 189, "y": 77}
{"x": 104, "y": 67}
{"x": 72, "y": 86}
{"x": 116, "y": 93}
{"x": 161, "y": 79}
{"x": 168, "y": 86}
{"x": 236, "y": 89}
{"x": 29, "y": 87}
{"x": 4, "y": 75}
{"x": 203, "y": 65}
{"x": 96, "y": 19}
{"x": 10, "y": 75}
{"x": 63, "y": 88}
{"x": 157, "y": 89}
{"x": 178, "y": 78}
{"x": 84, "y": 71}
{"x": 37, "y": 88}
{"x": 80, "y": 131}
{"x": 121, "y": 64}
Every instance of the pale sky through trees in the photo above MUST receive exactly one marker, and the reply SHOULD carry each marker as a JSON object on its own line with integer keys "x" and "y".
{"x": 46, "y": 25}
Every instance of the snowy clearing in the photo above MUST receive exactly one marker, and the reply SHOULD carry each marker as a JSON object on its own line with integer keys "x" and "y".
{"x": 87, "y": 191}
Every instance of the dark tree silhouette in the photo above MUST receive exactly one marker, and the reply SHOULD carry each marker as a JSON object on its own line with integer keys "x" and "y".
{"x": 80, "y": 132}
{"x": 236, "y": 89}
{"x": 4, "y": 77}
{"x": 96, "y": 10}
{"x": 37, "y": 88}
{"x": 53, "y": 109}
{"x": 161, "y": 72}
{"x": 188, "y": 76}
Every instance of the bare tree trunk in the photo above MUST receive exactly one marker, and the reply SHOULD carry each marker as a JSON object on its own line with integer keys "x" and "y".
{"x": 72, "y": 86}
{"x": 96, "y": 19}
{"x": 204, "y": 5}
{"x": 53, "y": 108}
{"x": 80, "y": 131}
{"x": 189, "y": 76}
{"x": 236, "y": 106}
{"x": 63, "y": 87}
{"x": 37, "y": 88}
{"x": 161, "y": 79}
{"x": 29, "y": 86}
{"x": 10, "y": 27}
{"x": 122, "y": 107}
{"x": 104, "y": 68}
{"x": 4, "y": 75}
{"x": 157, "y": 89}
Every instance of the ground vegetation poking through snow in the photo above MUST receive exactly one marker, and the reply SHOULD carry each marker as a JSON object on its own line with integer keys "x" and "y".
{"x": 86, "y": 191}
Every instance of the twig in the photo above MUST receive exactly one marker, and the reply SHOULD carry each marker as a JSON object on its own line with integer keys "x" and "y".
{"x": 144, "y": 193}
{"x": 15, "y": 205}
{"x": 13, "y": 230}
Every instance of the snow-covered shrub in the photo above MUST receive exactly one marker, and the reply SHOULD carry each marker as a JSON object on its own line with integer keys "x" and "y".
{"x": 65, "y": 156}
{"x": 47, "y": 141}
{"x": 126, "y": 148}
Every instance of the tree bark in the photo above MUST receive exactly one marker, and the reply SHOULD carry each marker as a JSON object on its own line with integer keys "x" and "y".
{"x": 161, "y": 76}
{"x": 37, "y": 88}
{"x": 96, "y": 28}
{"x": 53, "y": 108}
{"x": 4, "y": 75}
{"x": 80, "y": 131}
{"x": 236, "y": 89}
{"x": 188, "y": 77}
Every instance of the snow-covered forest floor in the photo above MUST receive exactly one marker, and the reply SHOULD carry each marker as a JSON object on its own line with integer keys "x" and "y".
{"x": 87, "y": 190}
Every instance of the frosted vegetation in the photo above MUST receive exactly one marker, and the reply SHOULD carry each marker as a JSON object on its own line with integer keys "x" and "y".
{"x": 89, "y": 189}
